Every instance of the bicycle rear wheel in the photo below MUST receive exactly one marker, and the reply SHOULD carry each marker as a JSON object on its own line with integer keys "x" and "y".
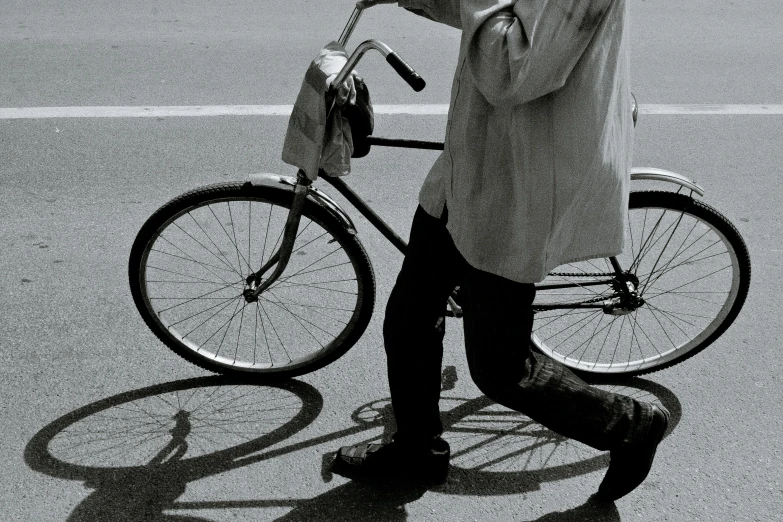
{"x": 188, "y": 270}
{"x": 691, "y": 268}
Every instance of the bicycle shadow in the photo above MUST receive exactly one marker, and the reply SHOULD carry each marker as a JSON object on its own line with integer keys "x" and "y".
{"x": 537, "y": 456}
{"x": 139, "y": 450}
{"x": 118, "y": 446}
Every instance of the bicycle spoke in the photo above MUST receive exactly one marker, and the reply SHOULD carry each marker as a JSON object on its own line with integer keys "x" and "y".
{"x": 699, "y": 278}
{"x": 575, "y": 326}
{"x": 641, "y": 329}
{"x": 671, "y": 316}
{"x": 646, "y": 239}
{"x": 239, "y": 332}
{"x": 589, "y": 339}
{"x": 188, "y": 257}
{"x": 559, "y": 316}
{"x": 315, "y": 287}
{"x": 289, "y": 276}
{"x": 266, "y": 234}
{"x": 687, "y": 295}
{"x": 668, "y": 240}
{"x": 319, "y": 269}
{"x": 315, "y": 309}
{"x": 263, "y": 330}
{"x": 225, "y": 302}
{"x": 685, "y": 262}
{"x": 226, "y": 324}
{"x": 184, "y": 275}
{"x": 232, "y": 241}
{"x": 608, "y": 329}
{"x": 664, "y": 330}
{"x": 222, "y": 258}
{"x": 249, "y": 228}
{"x": 206, "y": 265}
{"x": 274, "y": 330}
{"x": 191, "y": 299}
{"x": 299, "y": 319}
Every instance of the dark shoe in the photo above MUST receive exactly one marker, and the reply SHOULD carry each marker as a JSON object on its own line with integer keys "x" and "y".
{"x": 629, "y": 466}
{"x": 395, "y": 460}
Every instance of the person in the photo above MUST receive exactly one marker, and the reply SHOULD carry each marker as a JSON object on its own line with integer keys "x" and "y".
{"x": 534, "y": 174}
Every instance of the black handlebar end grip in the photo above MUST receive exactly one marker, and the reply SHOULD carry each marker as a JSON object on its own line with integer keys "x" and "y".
{"x": 406, "y": 71}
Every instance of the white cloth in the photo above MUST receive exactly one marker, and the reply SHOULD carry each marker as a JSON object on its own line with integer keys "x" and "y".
{"x": 538, "y": 148}
{"x": 314, "y": 139}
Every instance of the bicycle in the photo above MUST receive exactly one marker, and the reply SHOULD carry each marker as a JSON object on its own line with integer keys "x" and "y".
{"x": 195, "y": 277}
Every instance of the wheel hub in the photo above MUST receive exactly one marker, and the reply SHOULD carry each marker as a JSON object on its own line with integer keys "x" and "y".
{"x": 251, "y": 292}
{"x": 629, "y": 299}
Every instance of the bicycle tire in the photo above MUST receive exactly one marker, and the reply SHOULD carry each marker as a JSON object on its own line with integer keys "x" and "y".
{"x": 187, "y": 271}
{"x": 677, "y": 319}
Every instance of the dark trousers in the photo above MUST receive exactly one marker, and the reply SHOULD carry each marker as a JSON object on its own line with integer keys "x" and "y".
{"x": 498, "y": 319}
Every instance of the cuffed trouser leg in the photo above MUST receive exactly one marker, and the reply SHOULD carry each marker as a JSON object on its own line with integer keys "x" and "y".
{"x": 498, "y": 319}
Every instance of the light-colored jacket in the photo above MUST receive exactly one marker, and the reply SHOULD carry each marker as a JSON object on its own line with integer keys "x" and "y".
{"x": 538, "y": 148}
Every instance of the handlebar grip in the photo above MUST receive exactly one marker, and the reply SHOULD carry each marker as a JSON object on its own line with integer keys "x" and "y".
{"x": 406, "y": 71}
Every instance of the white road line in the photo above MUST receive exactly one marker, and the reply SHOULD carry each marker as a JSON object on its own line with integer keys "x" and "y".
{"x": 11, "y": 113}
{"x": 146, "y": 112}
{"x": 742, "y": 110}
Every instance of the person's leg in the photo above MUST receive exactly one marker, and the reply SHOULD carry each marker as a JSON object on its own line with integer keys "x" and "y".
{"x": 413, "y": 338}
{"x": 414, "y": 345}
{"x": 498, "y": 319}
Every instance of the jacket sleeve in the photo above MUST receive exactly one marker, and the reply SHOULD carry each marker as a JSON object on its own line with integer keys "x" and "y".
{"x": 520, "y": 50}
{"x": 443, "y": 11}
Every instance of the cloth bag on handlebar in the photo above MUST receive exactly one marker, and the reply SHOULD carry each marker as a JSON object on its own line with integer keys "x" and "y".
{"x": 319, "y": 135}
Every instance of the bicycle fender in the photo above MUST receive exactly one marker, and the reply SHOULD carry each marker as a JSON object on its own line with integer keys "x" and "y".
{"x": 264, "y": 179}
{"x": 653, "y": 174}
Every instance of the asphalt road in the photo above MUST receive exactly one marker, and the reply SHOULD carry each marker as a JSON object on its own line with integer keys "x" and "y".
{"x": 81, "y": 371}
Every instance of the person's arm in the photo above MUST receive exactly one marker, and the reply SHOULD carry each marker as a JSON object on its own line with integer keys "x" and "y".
{"x": 443, "y": 11}
{"x": 521, "y": 50}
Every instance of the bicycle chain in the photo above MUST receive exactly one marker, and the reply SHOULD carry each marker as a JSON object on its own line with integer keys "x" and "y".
{"x": 593, "y": 300}
{"x": 581, "y": 274}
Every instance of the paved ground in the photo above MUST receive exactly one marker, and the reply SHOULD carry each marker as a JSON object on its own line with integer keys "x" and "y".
{"x": 81, "y": 369}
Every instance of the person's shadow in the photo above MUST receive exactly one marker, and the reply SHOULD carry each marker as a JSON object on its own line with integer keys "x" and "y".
{"x": 361, "y": 501}
{"x": 591, "y": 511}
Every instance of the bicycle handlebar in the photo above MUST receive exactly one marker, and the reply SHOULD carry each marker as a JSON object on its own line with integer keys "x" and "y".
{"x": 403, "y": 69}
{"x": 392, "y": 58}
{"x": 407, "y": 73}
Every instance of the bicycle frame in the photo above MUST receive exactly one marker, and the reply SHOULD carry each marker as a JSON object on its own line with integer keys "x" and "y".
{"x": 625, "y": 300}
{"x": 620, "y": 280}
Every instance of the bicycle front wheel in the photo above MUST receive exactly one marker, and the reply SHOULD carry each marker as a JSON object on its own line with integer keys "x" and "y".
{"x": 691, "y": 269}
{"x": 188, "y": 270}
